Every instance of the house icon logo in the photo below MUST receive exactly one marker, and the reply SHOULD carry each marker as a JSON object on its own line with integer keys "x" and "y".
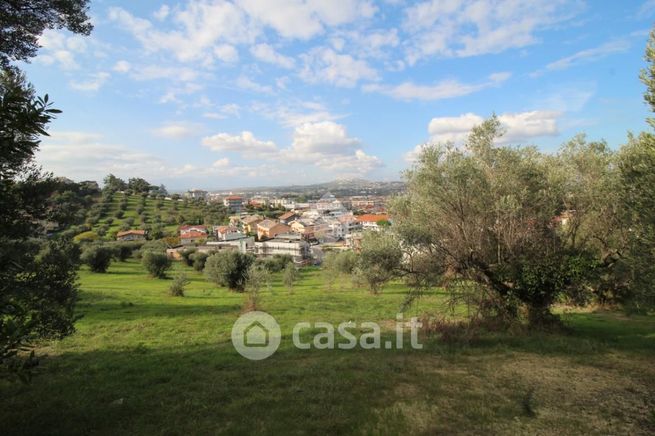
{"x": 256, "y": 335}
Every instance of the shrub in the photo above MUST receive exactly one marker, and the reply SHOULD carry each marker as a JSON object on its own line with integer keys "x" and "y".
{"x": 186, "y": 256}
{"x": 275, "y": 263}
{"x": 156, "y": 263}
{"x": 179, "y": 283}
{"x": 119, "y": 213}
{"x": 199, "y": 260}
{"x": 229, "y": 268}
{"x": 86, "y": 237}
{"x": 123, "y": 250}
{"x": 290, "y": 276}
{"x": 97, "y": 257}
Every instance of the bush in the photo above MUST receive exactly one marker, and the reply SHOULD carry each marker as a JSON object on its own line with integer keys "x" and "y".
{"x": 156, "y": 263}
{"x": 275, "y": 263}
{"x": 186, "y": 256}
{"x": 86, "y": 237}
{"x": 119, "y": 213}
{"x": 179, "y": 283}
{"x": 229, "y": 268}
{"x": 123, "y": 250}
{"x": 97, "y": 257}
{"x": 199, "y": 261}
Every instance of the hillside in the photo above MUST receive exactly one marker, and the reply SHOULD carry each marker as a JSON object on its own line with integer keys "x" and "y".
{"x": 124, "y": 211}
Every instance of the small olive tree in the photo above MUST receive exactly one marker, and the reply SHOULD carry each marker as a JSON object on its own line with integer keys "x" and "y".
{"x": 156, "y": 263}
{"x": 229, "y": 269}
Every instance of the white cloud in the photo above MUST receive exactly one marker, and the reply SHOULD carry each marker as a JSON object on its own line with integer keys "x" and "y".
{"x": 226, "y": 53}
{"x": 86, "y": 156}
{"x": 155, "y": 72}
{"x": 246, "y": 83}
{"x": 122, "y": 66}
{"x": 221, "y": 163}
{"x": 439, "y": 91}
{"x": 324, "y": 138}
{"x": 176, "y": 130}
{"x": 323, "y": 64}
{"x": 200, "y": 27}
{"x": 224, "y": 111}
{"x": 324, "y": 145}
{"x": 304, "y": 19}
{"x": 162, "y": 12}
{"x": 520, "y": 126}
{"x": 93, "y": 84}
{"x": 588, "y": 55}
{"x": 295, "y": 113}
{"x": 57, "y": 48}
{"x": 244, "y": 143}
{"x": 460, "y": 28}
{"x": 266, "y": 53}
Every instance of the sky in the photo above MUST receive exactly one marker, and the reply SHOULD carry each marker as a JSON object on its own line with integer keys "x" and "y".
{"x": 218, "y": 94}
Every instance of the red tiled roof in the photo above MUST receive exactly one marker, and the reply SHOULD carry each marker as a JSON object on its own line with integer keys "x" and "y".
{"x": 193, "y": 235}
{"x": 233, "y": 197}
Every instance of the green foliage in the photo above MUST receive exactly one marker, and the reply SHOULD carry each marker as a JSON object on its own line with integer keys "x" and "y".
{"x": 275, "y": 263}
{"x": 156, "y": 263}
{"x": 97, "y": 257}
{"x": 379, "y": 260}
{"x": 186, "y": 256}
{"x": 179, "y": 283}
{"x": 199, "y": 259}
{"x": 648, "y": 75}
{"x": 38, "y": 291}
{"x": 229, "y": 268}
{"x": 290, "y": 276}
{"x": 89, "y": 236}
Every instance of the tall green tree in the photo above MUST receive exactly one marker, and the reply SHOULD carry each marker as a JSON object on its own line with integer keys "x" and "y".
{"x": 23, "y": 21}
{"x": 37, "y": 276}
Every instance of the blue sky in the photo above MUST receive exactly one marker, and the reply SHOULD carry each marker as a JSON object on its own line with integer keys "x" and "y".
{"x": 219, "y": 94}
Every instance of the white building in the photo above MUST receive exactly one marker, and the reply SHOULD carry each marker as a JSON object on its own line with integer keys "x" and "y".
{"x": 291, "y": 245}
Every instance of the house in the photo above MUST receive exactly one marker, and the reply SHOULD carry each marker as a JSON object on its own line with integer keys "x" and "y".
{"x": 295, "y": 247}
{"x": 287, "y": 217}
{"x": 269, "y": 229}
{"x": 193, "y": 234}
{"x": 196, "y": 194}
{"x": 258, "y": 201}
{"x": 190, "y": 238}
{"x": 303, "y": 227}
{"x": 226, "y": 233}
{"x": 373, "y": 221}
{"x": 250, "y": 223}
{"x": 192, "y": 228}
{"x": 233, "y": 202}
{"x": 131, "y": 235}
{"x": 328, "y": 203}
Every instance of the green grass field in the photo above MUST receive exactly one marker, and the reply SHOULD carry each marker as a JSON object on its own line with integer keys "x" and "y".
{"x": 142, "y": 362}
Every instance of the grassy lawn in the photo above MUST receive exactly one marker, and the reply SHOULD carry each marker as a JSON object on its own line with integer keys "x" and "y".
{"x": 142, "y": 362}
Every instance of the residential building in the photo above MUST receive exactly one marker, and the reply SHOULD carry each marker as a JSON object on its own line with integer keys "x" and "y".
{"x": 192, "y": 228}
{"x": 372, "y": 221}
{"x": 250, "y": 222}
{"x": 227, "y": 233}
{"x": 196, "y": 194}
{"x": 287, "y": 217}
{"x": 268, "y": 229}
{"x": 190, "y": 238}
{"x": 303, "y": 227}
{"x": 233, "y": 202}
{"x": 131, "y": 235}
{"x": 295, "y": 247}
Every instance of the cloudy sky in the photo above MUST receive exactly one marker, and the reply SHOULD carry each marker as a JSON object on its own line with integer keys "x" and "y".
{"x": 219, "y": 94}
